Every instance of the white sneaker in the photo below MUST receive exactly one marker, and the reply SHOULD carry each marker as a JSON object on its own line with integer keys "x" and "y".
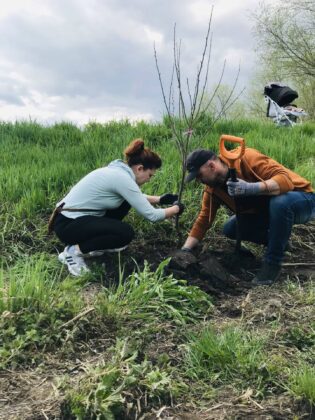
{"x": 74, "y": 261}
{"x": 62, "y": 256}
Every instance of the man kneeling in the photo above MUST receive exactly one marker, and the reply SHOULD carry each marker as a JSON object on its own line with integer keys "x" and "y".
{"x": 270, "y": 200}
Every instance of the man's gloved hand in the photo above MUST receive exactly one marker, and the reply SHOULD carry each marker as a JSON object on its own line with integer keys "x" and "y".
{"x": 168, "y": 198}
{"x": 242, "y": 188}
{"x": 181, "y": 207}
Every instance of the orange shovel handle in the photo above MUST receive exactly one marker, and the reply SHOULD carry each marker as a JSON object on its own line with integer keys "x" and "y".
{"x": 229, "y": 155}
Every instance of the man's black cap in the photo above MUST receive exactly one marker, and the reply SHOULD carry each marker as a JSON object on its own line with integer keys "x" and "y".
{"x": 195, "y": 160}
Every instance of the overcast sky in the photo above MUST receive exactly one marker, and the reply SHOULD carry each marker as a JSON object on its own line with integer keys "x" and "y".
{"x": 93, "y": 60}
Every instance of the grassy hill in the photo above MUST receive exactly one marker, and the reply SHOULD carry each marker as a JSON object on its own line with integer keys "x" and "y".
{"x": 132, "y": 340}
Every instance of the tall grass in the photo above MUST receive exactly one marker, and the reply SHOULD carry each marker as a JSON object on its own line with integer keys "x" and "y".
{"x": 30, "y": 284}
{"x": 39, "y": 164}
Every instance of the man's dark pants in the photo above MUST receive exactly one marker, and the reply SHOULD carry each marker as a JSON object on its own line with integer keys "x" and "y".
{"x": 274, "y": 228}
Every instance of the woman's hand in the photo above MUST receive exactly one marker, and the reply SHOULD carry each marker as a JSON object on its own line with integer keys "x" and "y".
{"x": 178, "y": 208}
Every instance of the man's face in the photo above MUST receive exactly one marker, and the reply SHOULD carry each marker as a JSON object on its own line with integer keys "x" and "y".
{"x": 212, "y": 173}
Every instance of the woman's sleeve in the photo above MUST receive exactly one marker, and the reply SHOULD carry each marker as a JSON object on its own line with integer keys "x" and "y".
{"x": 131, "y": 192}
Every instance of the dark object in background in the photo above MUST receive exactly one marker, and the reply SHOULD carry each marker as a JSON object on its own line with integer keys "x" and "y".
{"x": 281, "y": 94}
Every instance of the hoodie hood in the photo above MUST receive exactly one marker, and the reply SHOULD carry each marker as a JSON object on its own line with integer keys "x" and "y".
{"x": 120, "y": 164}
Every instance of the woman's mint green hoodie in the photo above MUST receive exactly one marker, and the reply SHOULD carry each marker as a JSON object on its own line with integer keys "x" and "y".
{"x": 106, "y": 188}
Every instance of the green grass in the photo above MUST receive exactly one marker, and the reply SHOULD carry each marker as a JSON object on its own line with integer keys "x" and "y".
{"x": 232, "y": 355}
{"x": 29, "y": 285}
{"x": 302, "y": 383}
{"x": 151, "y": 297}
{"x": 39, "y": 164}
{"x": 34, "y": 303}
{"x": 38, "y": 301}
{"x": 305, "y": 294}
{"x": 105, "y": 391}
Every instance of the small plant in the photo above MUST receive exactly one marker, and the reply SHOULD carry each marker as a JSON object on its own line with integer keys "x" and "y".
{"x": 34, "y": 304}
{"x": 303, "y": 294}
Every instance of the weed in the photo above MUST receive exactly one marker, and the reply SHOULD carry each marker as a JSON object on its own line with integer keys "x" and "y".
{"x": 121, "y": 387}
{"x": 303, "y": 294}
{"x": 149, "y": 296}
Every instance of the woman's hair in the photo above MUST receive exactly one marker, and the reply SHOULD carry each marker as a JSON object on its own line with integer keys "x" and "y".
{"x": 137, "y": 154}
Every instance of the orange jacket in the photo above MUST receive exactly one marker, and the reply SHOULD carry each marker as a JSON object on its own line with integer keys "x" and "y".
{"x": 252, "y": 167}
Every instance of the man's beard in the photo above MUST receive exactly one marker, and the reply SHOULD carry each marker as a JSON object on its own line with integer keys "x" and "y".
{"x": 220, "y": 181}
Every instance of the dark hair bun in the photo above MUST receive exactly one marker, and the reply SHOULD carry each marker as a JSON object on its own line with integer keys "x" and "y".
{"x": 135, "y": 148}
{"x": 137, "y": 154}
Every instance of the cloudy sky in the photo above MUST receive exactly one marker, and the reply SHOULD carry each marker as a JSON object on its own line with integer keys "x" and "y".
{"x": 93, "y": 60}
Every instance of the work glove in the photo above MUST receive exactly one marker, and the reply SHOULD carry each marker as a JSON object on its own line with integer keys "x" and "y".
{"x": 181, "y": 207}
{"x": 242, "y": 188}
{"x": 168, "y": 198}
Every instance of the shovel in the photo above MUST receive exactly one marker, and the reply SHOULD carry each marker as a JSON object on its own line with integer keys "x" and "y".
{"x": 232, "y": 158}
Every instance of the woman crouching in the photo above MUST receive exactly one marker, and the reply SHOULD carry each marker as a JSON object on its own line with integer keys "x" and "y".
{"x": 89, "y": 217}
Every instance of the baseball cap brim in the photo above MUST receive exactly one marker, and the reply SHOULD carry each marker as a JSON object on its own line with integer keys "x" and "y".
{"x": 191, "y": 175}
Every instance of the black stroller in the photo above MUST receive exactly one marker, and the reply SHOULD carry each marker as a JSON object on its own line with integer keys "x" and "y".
{"x": 280, "y": 109}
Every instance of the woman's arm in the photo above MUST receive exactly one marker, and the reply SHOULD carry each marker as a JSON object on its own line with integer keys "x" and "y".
{"x": 153, "y": 199}
{"x": 169, "y": 212}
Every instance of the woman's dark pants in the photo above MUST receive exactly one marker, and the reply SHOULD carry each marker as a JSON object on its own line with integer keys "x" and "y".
{"x": 93, "y": 233}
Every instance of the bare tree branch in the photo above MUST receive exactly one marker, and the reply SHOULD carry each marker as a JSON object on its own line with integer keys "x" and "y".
{"x": 184, "y": 117}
